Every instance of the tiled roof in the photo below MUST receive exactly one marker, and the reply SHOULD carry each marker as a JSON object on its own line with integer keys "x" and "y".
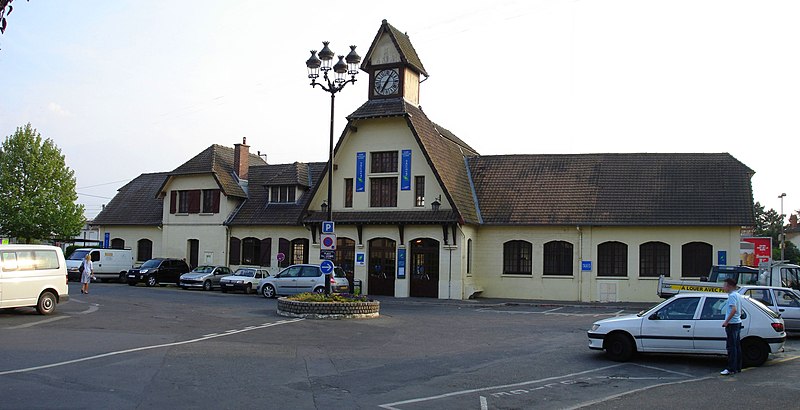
{"x": 387, "y": 217}
{"x": 408, "y": 54}
{"x": 391, "y": 107}
{"x": 292, "y": 174}
{"x": 613, "y": 189}
{"x": 136, "y": 203}
{"x": 257, "y": 211}
{"x": 218, "y": 160}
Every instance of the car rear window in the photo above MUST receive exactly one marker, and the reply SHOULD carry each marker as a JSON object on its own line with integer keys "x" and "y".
{"x": 760, "y": 306}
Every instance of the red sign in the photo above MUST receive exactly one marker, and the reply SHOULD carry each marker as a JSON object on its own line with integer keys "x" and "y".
{"x": 755, "y": 251}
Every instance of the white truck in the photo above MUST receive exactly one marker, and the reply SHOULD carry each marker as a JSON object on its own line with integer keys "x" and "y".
{"x": 781, "y": 274}
{"x": 109, "y": 264}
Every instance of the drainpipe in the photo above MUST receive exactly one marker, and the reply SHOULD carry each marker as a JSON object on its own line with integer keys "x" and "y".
{"x": 450, "y": 274}
{"x": 580, "y": 257}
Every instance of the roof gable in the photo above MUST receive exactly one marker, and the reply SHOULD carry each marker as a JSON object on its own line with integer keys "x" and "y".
{"x": 402, "y": 44}
{"x": 217, "y": 160}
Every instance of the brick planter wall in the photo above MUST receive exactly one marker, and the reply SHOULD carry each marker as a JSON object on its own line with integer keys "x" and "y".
{"x": 329, "y": 310}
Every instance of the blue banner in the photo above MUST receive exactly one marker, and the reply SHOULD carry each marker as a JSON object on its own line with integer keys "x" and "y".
{"x": 405, "y": 170}
{"x": 361, "y": 170}
{"x": 401, "y": 263}
{"x": 106, "y": 240}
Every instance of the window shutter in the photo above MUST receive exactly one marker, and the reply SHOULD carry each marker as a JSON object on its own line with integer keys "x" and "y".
{"x": 215, "y": 196}
{"x": 284, "y": 247}
{"x": 266, "y": 252}
{"x": 305, "y": 250}
{"x": 235, "y": 251}
{"x": 173, "y": 202}
{"x": 194, "y": 201}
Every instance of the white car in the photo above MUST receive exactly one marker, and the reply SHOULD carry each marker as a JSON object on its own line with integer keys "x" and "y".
{"x": 690, "y": 323}
{"x": 783, "y": 301}
{"x": 245, "y": 279}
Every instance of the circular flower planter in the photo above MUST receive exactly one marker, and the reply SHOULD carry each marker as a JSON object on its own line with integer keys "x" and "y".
{"x": 329, "y": 310}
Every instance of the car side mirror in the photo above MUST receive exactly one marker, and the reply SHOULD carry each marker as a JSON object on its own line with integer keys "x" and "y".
{"x": 704, "y": 279}
{"x": 654, "y": 316}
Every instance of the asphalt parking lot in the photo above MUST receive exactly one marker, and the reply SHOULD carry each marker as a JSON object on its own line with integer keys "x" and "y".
{"x": 123, "y": 347}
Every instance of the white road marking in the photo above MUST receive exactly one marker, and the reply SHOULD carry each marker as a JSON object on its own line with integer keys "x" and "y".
{"x": 143, "y": 348}
{"x": 664, "y": 370}
{"x": 52, "y": 319}
{"x": 392, "y": 406}
{"x": 484, "y": 403}
{"x": 94, "y": 307}
{"x": 547, "y": 312}
{"x": 614, "y": 396}
{"x": 553, "y": 310}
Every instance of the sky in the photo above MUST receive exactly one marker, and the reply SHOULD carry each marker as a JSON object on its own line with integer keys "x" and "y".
{"x": 125, "y": 87}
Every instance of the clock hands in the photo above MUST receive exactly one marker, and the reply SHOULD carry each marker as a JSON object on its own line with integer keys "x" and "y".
{"x": 385, "y": 83}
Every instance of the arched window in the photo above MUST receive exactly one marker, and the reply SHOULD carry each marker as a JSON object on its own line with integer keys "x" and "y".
{"x": 251, "y": 251}
{"x": 144, "y": 250}
{"x": 612, "y": 259}
{"x": 299, "y": 251}
{"x": 558, "y": 258}
{"x": 117, "y": 243}
{"x": 517, "y": 258}
{"x": 653, "y": 259}
{"x": 696, "y": 259}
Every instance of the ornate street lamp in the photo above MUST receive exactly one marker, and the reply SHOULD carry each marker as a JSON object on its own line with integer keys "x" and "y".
{"x": 783, "y": 235}
{"x": 346, "y": 66}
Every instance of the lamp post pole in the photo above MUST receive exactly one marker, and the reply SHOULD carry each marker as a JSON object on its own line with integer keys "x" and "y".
{"x": 783, "y": 235}
{"x": 346, "y": 66}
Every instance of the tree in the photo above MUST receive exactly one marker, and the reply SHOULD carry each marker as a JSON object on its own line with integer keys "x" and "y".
{"x": 768, "y": 224}
{"x": 5, "y": 9}
{"x": 37, "y": 189}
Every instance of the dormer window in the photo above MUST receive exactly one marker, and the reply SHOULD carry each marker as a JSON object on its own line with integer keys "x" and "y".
{"x": 282, "y": 194}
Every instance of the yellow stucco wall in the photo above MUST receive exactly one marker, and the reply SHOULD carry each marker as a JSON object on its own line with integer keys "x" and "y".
{"x": 384, "y": 134}
{"x": 132, "y": 234}
{"x": 586, "y": 286}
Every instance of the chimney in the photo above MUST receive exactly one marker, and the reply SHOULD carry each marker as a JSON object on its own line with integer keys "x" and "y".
{"x": 241, "y": 159}
{"x": 793, "y": 221}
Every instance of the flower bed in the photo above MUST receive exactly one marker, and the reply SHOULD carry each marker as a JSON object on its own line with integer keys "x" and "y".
{"x": 313, "y": 306}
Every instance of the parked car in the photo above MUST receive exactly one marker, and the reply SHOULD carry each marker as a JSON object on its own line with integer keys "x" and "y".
{"x": 783, "y": 301}
{"x": 690, "y": 323}
{"x": 32, "y": 275}
{"x": 158, "y": 271}
{"x": 206, "y": 277}
{"x": 245, "y": 279}
{"x": 300, "y": 279}
{"x": 108, "y": 264}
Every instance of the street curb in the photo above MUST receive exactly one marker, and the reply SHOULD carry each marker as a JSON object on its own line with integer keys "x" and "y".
{"x": 541, "y": 304}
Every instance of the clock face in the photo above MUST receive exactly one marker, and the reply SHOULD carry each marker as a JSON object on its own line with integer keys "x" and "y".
{"x": 387, "y": 82}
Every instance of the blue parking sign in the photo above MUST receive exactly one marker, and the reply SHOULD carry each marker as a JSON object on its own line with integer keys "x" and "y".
{"x": 327, "y": 227}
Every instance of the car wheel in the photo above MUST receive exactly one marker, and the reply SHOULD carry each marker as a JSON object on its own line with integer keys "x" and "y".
{"x": 207, "y": 285}
{"x": 754, "y": 352}
{"x": 268, "y": 291}
{"x": 319, "y": 290}
{"x": 46, "y": 304}
{"x": 248, "y": 289}
{"x": 151, "y": 281}
{"x": 123, "y": 276}
{"x": 619, "y": 347}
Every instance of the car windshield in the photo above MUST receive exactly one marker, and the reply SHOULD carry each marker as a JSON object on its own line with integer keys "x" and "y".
{"x": 78, "y": 255}
{"x": 203, "y": 269}
{"x": 642, "y": 313}
{"x": 245, "y": 272}
{"x": 152, "y": 263}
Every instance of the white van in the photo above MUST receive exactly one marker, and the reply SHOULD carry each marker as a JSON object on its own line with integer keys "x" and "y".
{"x": 32, "y": 275}
{"x": 108, "y": 264}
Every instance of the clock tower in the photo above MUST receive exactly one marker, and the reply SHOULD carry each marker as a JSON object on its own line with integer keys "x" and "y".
{"x": 393, "y": 66}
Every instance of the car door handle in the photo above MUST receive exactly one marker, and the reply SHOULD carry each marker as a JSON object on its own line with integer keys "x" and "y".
{"x": 781, "y": 310}
{"x": 687, "y": 326}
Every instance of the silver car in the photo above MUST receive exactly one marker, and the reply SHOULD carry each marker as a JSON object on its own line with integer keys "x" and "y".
{"x": 206, "y": 277}
{"x": 783, "y": 301}
{"x": 301, "y": 279}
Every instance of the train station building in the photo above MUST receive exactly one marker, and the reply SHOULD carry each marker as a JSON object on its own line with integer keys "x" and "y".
{"x": 420, "y": 213}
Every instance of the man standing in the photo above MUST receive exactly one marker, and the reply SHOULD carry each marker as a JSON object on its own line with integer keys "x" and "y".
{"x": 733, "y": 327}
